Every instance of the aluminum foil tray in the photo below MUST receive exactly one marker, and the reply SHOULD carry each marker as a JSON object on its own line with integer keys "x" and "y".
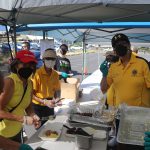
{"x": 104, "y": 120}
{"x": 134, "y": 122}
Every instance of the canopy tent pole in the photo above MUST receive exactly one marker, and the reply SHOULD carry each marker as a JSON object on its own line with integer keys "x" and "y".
{"x": 44, "y": 34}
{"x": 8, "y": 41}
{"x": 15, "y": 37}
{"x": 84, "y": 69}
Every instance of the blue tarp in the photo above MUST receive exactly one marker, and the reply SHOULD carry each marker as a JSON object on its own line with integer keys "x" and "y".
{"x": 85, "y": 25}
{"x": 138, "y": 32}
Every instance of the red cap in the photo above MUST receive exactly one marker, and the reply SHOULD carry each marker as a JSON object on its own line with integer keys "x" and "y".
{"x": 26, "y": 56}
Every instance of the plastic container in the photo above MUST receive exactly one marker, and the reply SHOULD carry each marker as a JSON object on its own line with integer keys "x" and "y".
{"x": 83, "y": 142}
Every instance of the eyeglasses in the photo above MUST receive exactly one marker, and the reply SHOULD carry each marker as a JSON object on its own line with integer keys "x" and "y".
{"x": 49, "y": 58}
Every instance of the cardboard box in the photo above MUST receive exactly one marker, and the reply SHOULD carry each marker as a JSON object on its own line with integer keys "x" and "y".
{"x": 70, "y": 90}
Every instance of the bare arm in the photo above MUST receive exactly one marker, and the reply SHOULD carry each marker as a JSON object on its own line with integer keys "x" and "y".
{"x": 7, "y": 144}
{"x": 4, "y": 100}
{"x": 29, "y": 109}
{"x": 37, "y": 98}
{"x": 104, "y": 85}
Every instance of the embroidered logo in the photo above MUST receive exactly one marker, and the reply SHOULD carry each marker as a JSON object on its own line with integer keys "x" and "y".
{"x": 134, "y": 72}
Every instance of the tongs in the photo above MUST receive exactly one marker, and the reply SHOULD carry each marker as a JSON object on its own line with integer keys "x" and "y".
{"x": 78, "y": 131}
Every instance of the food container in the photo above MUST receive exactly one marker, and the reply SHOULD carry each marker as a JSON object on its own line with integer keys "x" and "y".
{"x": 88, "y": 115}
{"x": 133, "y": 123}
{"x": 84, "y": 142}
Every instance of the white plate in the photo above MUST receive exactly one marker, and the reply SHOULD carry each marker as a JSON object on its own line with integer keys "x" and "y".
{"x": 54, "y": 126}
{"x": 59, "y": 145}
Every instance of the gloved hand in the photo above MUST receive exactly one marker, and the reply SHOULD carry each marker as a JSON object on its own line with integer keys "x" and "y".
{"x": 104, "y": 68}
{"x": 49, "y": 103}
{"x": 147, "y": 141}
{"x": 25, "y": 147}
{"x": 64, "y": 75}
{"x": 27, "y": 120}
{"x": 36, "y": 121}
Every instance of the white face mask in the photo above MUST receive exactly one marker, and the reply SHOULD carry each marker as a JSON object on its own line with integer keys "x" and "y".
{"x": 49, "y": 63}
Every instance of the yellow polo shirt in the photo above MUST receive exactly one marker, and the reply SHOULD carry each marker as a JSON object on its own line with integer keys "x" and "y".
{"x": 131, "y": 83}
{"x": 111, "y": 99}
{"x": 9, "y": 128}
{"x": 45, "y": 85}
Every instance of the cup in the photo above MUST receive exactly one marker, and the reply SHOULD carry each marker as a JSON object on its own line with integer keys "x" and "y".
{"x": 83, "y": 142}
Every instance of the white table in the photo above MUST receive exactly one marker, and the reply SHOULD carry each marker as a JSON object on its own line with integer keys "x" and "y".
{"x": 97, "y": 144}
{"x": 89, "y": 93}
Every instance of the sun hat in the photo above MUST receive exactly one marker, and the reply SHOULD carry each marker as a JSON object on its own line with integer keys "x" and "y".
{"x": 49, "y": 53}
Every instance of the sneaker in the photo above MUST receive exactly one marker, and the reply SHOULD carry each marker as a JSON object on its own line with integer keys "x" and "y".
{"x": 112, "y": 142}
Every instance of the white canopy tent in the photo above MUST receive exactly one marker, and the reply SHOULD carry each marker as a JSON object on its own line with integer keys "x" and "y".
{"x": 56, "y": 11}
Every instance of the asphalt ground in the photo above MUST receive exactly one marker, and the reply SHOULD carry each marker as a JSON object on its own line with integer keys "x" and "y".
{"x": 93, "y": 60}
{"x": 91, "y": 64}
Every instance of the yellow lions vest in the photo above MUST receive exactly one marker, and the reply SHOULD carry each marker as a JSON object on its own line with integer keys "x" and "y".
{"x": 10, "y": 128}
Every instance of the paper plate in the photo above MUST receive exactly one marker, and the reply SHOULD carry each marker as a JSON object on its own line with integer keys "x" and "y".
{"x": 55, "y": 126}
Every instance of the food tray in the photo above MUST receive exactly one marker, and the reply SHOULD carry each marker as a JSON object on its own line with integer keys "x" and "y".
{"x": 133, "y": 123}
{"x": 104, "y": 120}
{"x": 97, "y": 134}
{"x": 53, "y": 126}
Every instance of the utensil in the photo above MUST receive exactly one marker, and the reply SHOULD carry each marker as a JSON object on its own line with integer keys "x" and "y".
{"x": 66, "y": 127}
{"x": 59, "y": 100}
{"x": 52, "y": 117}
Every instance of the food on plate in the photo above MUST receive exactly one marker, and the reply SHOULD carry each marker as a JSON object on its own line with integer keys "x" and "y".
{"x": 107, "y": 116}
{"x": 51, "y": 134}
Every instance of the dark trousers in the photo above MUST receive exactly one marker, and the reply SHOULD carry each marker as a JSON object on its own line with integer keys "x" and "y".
{"x": 43, "y": 111}
{"x": 18, "y": 137}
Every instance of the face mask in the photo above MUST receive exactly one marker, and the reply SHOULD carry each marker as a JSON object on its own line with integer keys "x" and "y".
{"x": 25, "y": 72}
{"x": 121, "y": 50}
{"x": 112, "y": 58}
{"x": 49, "y": 63}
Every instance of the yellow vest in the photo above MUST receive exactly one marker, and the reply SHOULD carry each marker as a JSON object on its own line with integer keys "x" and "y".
{"x": 10, "y": 128}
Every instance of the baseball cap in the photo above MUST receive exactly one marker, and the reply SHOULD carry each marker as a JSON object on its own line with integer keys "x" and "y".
{"x": 49, "y": 53}
{"x": 119, "y": 37}
{"x": 26, "y": 56}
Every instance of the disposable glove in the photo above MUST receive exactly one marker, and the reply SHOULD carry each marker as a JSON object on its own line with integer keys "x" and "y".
{"x": 64, "y": 75}
{"x": 36, "y": 121}
{"x": 27, "y": 120}
{"x": 25, "y": 147}
{"x": 147, "y": 141}
{"x": 49, "y": 103}
{"x": 104, "y": 68}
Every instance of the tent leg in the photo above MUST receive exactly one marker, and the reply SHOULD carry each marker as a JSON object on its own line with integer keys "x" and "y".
{"x": 44, "y": 35}
{"x": 15, "y": 37}
{"x": 8, "y": 41}
{"x": 84, "y": 69}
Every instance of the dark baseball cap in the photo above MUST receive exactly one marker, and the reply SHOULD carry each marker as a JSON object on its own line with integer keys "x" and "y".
{"x": 119, "y": 37}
